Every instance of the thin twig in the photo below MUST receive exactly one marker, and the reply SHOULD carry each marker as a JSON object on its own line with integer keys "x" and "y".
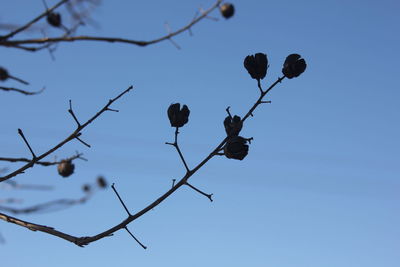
{"x": 66, "y": 140}
{"x": 49, "y": 206}
{"x": 120, "y": 199}
{"x": 209, "y": 196}
{"x": 176, "y": 145}
{"x": 137, "y": 240}
{"x": 21, "y": 91}
{"x": 30, "y": 23}
{"x": 73, "y": 114}
{"x": 26, "y": 142}
{"x": 43, "y": 163}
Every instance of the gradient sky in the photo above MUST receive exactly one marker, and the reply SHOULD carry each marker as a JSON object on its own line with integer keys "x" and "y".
{"x": 320, "y": 186}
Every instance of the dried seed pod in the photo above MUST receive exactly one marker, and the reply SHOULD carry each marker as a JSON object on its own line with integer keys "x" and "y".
{"x": 54, "y": 19}
{"x": 233, "y": 125}
{"x": 293, "y": 66}
{"x": 65, "y": 168}
{"x": 101, "y": 182}
{"x": 3, "y": 74}
{"x": 177, "y": 116}
{"x": 256, "y": 65}
{"x": 227, "y": 10}
{"x": 236, "y": 148}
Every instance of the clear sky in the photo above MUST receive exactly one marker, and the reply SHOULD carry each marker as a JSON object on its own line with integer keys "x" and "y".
{"x": 320, "y": 186}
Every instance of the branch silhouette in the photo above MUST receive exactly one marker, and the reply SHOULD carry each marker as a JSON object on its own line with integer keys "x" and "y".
{"x": 74, "y": 135}
{"x": 6, "y": 42}
{"x": 85, "y": 240}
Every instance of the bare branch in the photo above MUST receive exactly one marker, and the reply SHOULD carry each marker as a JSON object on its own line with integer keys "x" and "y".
{"x": 82, "y": 241}
{"x": 17, "y": 43}
{"x": 30, "y": 23}
{"x": 21, "y": 91}
{"x": 49, "y": 206}
{"x": 43, "y": 163}
{"x": 66, "y": 140}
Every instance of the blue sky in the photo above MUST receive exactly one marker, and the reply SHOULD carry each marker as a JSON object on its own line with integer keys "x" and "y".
{"x": 320, "y": 186}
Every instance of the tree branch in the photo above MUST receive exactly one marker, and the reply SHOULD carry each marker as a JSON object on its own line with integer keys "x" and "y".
{"x": 30, "y": 23}
{"x": 21, "y": 91}
{"x": 18, "y": 43}
{"x": 72, "y": 136}
{"x": 82, "y": 241}
{"x": 43, "y": 163}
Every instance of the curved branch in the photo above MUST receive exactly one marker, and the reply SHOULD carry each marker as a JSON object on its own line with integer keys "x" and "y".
{"x": 21, "y": 91}
{"x": 72, "y": 136}
{"x": 30, "y": 23}
{"x": 47, "y": 206}
{"x": 18, "y": 43}
{"x": 82, "y": 241}
{"x": 43, "y": 163}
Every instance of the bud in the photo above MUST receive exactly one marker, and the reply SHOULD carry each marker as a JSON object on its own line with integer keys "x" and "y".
{"x": 65, "y": 168}
{"x": 233, "y": 125}
{"x": 294, "y": 66}
{"x": 256, "y": 65}
{"x": 227, "y": 10}
{"x": 54, "y": 19}
{"x": 236, "y": 148}
{"x": 101, "y": 182}
{"x": 178, "y": 117}
{"x": 86, "y": 188}
{"x": 3, "y": 74}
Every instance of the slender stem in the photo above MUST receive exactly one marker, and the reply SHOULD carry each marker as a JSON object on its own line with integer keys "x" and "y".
{"x": 66, "y": 140}
{"x": 30, "y": 23}
{"x": 18, "y": 80}
{"x": 137, "y": 240}
{"x": 259, "y": 101}
{"x": 120, "y": 199}
{"x": 20, "y": 90}
{"x": 73, "y": 114}
{"x": 209, "y": 196}
{"x": 176, "y": 145}
{"x": 43, "y": 163}
{"x": 26, "y": 142}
